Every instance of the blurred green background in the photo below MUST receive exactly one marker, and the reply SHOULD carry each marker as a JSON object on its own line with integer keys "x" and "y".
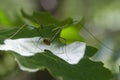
{"x": 102, "y": 30}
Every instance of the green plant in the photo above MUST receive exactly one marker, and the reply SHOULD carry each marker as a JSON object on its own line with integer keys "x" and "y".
{"x": 47, "y": 43}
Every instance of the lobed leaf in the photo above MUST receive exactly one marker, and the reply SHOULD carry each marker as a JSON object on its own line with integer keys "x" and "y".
{"x": 84, "y": 70}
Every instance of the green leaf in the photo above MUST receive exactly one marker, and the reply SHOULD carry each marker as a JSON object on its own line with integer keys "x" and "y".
{"x": 23, "y": 33}
{"x": 50, "y": 26}
{"x": 45, "y": 18}
{"x": 84, "y": 70}
{"x": 47, "y": 31}
{"x": 40, "y": 18}
{"x": 6, "y": 33}
{"x": 81, "y": 23}
{"x": 71, "y": 34}
{"x": 72, "y": 31}
{"x": 67, "y": 22}
{"x": 90, "y": 51}
{"x": 30, "y": 20}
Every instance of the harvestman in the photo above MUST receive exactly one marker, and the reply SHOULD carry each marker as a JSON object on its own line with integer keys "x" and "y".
{"x": 49, "y": 41}
{"x": 46, "y": 41}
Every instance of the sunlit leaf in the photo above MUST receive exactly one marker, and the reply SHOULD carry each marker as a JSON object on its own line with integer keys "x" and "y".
{"x": 71, "y": 34}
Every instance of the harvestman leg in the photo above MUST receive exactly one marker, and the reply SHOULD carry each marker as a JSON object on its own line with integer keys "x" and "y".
{"x": 65, "y": 51}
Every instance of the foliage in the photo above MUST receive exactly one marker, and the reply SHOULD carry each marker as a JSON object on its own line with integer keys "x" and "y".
{"x": 84, "y": 70}
{"x": 43, "y": 24}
